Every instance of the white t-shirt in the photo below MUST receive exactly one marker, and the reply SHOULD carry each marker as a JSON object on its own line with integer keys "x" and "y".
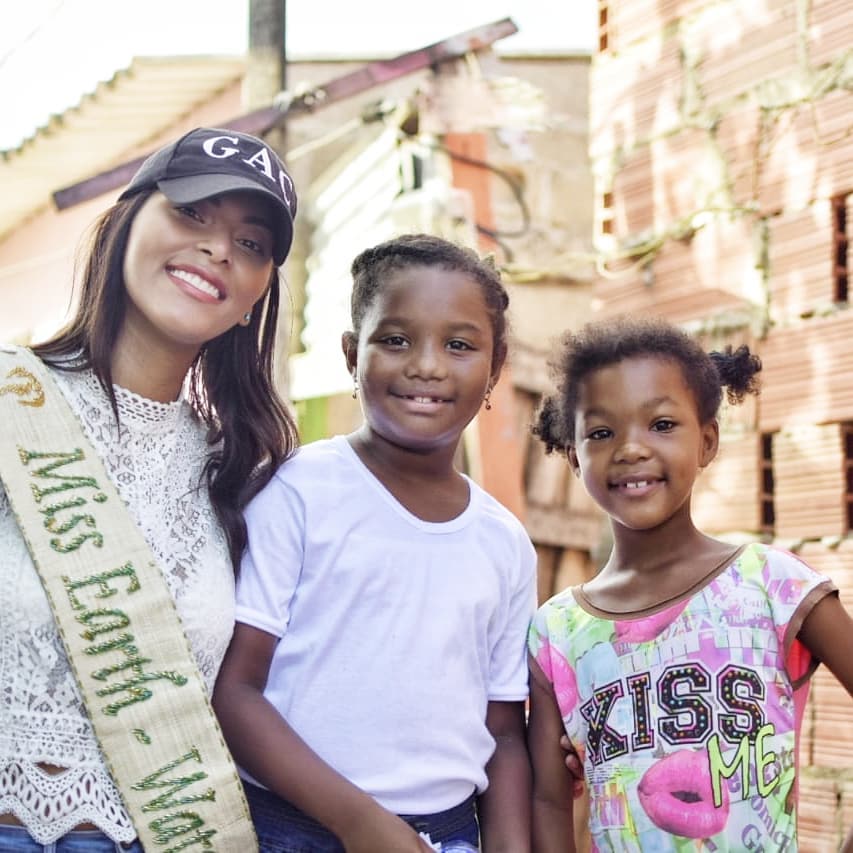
{"x": 395, "y": 632}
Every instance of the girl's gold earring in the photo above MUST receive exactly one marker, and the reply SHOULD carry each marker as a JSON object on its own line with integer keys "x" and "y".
{"x": 488, "y": 399}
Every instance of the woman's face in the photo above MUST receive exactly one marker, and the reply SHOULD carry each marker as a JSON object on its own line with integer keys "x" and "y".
{"x": 193, "y": 271}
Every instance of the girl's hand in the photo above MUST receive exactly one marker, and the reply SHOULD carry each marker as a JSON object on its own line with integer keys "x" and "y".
{"x": 575, "y": 765}
{"x": 386, "y": 832}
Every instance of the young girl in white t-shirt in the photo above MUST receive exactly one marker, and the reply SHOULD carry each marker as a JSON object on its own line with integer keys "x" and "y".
{"x": 375, "y": 686}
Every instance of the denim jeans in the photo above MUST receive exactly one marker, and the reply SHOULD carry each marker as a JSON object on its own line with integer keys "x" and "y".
{"x": 16, "y": 839}
{"x": 282, "y": 828}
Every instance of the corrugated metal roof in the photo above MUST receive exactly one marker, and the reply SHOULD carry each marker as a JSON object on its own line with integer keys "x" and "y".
{"x": 137, "y": 104}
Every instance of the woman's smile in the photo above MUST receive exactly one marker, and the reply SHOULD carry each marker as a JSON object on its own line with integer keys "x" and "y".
{"x": 197, "y": 284}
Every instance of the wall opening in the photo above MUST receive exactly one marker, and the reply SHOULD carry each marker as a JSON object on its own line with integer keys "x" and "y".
{"x": 847, "y": 443}
{"x": 767, "y": 495}
{"x": 840, "y": 247}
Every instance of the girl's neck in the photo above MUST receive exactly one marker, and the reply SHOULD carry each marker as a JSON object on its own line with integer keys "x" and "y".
{"x": 651, "y": 551}
{"x": 647, "y": 567}
{"x": 427, "y": 484}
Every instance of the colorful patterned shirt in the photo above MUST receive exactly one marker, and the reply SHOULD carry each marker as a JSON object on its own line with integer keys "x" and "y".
{"x": 687, "y": 715}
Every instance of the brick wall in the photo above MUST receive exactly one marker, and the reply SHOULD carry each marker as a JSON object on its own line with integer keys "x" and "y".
{"x": 722, "y": 151}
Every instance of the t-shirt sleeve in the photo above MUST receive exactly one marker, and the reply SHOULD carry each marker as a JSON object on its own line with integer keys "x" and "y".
{"x": 508, "y": 671}
{"x": 793, "y": 589}
{"x": 538, "y": 643}
{"x": 272, "y": 562}
{"x": 551, "y": 660}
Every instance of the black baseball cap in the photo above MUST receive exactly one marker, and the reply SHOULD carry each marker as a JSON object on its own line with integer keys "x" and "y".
{"x": 210, "y": 161}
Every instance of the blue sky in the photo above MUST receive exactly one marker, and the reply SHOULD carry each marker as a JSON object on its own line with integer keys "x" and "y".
{"x": 54, "y": 51}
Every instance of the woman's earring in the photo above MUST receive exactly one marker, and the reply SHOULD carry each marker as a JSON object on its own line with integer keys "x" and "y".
{"x": 247, "y": 318}
{"x": 488, "y": 398}
{"x": 354, "y": 388}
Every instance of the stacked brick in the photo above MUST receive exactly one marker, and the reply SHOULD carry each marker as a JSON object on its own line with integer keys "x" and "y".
{"x": 722, "y": 150}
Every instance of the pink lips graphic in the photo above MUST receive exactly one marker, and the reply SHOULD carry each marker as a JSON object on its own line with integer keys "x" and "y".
{"x": 562, "y": 677}
{"x": 676, "y": 794}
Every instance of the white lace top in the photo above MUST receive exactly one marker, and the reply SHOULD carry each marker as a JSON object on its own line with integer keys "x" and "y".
{"x": 155, "y": 464}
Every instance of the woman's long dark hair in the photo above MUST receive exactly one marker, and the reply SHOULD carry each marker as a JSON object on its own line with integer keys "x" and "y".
{"x": 230, "y": 383}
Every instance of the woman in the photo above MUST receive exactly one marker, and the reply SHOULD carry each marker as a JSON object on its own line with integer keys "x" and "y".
{"x": 167, "y": 366}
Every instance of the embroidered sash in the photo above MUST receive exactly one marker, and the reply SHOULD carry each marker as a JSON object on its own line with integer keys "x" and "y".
{"x": 122, "y": 634}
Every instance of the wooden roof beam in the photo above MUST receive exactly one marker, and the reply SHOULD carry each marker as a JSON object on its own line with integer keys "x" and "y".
{"x": 260, "y": 121}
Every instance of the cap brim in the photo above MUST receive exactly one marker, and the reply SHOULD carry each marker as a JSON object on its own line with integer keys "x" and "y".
{"x": 198, "y": 187}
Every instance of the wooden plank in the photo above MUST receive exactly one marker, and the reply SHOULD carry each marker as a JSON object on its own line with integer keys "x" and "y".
{"x": 546, "y": 567}
{"x": 554, "y": 526}
{"x": 574, "y": 567}
{"x": 546, "y": 476}
{"x": 846, "y": 785}
{"x": 738, "y": 134}
{"x": 530, "y": 371}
